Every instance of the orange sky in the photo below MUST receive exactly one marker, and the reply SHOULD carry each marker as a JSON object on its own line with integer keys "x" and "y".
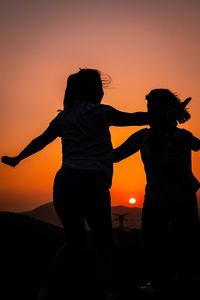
{"x": 141, "y": 44}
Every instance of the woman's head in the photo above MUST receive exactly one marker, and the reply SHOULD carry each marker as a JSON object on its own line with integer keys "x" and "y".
{"x": 160, "y": 101}
{"x": 85, "y": 85}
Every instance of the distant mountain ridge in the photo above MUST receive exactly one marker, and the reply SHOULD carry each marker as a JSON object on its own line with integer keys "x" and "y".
{"x": 132, "y": 219}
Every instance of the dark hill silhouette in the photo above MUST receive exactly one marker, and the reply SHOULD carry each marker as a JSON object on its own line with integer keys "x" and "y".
{"x": 28, "y": 246}
{"x": 46, "y": 213}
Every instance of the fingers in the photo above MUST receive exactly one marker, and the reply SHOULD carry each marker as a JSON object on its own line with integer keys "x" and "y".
{"x": 185, "y": 102}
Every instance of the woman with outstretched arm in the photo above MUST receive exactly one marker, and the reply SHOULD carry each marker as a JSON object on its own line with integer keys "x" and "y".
{"x": 81, "y": 186}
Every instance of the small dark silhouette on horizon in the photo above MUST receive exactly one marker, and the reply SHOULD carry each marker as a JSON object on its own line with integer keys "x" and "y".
{"x": 46, "y": 213}
{"x": 121, "y": 219}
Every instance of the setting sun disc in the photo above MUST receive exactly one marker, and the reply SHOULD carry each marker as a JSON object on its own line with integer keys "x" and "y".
{"x": 132, "y": 200}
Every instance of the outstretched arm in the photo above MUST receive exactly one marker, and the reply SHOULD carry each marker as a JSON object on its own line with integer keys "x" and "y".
{"x": 119, "y": 118}
{"x": 34, "y": 146}
{"x": 129, "y": 147}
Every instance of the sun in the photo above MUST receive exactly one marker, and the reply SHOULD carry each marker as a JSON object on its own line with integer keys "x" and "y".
{"x": 132, "y": 200}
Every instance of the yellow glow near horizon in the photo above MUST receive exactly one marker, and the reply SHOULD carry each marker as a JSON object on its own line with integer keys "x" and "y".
{"x": 132, "y": 201}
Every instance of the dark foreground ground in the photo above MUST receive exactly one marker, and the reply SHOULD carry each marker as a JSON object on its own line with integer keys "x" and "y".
{"x": 28, "y": 246}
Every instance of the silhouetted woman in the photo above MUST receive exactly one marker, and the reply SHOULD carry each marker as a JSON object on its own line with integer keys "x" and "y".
{"x": 81, "y": 186}
{"x": 170, "y": 194}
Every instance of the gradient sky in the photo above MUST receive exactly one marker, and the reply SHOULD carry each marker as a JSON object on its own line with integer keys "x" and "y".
{"x": 142, "y": 45}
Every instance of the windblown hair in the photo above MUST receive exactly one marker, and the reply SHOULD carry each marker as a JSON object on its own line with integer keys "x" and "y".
{"x": 164, "y": 100}
{"x": 85, "y": 85}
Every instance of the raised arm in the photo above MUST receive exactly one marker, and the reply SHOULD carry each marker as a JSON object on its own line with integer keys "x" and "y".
{"x": 129, "y": 147}
{"x": 34, "y": 146}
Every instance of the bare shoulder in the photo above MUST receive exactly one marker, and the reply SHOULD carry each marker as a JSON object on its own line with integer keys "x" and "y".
{"x": 184, "y": 135}
{"x": 188, "y": 139}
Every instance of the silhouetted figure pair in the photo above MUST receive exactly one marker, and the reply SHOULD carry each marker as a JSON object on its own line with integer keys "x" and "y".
{"x": 81, "y": 186}
{"x": 170, "y": 203}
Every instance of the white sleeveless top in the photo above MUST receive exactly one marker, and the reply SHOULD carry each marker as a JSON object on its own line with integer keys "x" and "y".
{"x": 86, "y": 140}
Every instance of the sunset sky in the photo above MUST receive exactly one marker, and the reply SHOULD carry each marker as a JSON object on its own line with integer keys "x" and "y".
{"x": 142, "y": 45}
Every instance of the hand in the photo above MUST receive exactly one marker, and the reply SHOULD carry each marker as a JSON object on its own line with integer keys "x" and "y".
{"x": 174, "y": 112}
{"x": 10, "y": 161}
{"x": 183, "y": 104}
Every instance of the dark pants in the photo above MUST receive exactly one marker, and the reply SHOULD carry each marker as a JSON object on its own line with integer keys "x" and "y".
{"x": 169, "y": 234}
{"x": 80, "y": 195}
